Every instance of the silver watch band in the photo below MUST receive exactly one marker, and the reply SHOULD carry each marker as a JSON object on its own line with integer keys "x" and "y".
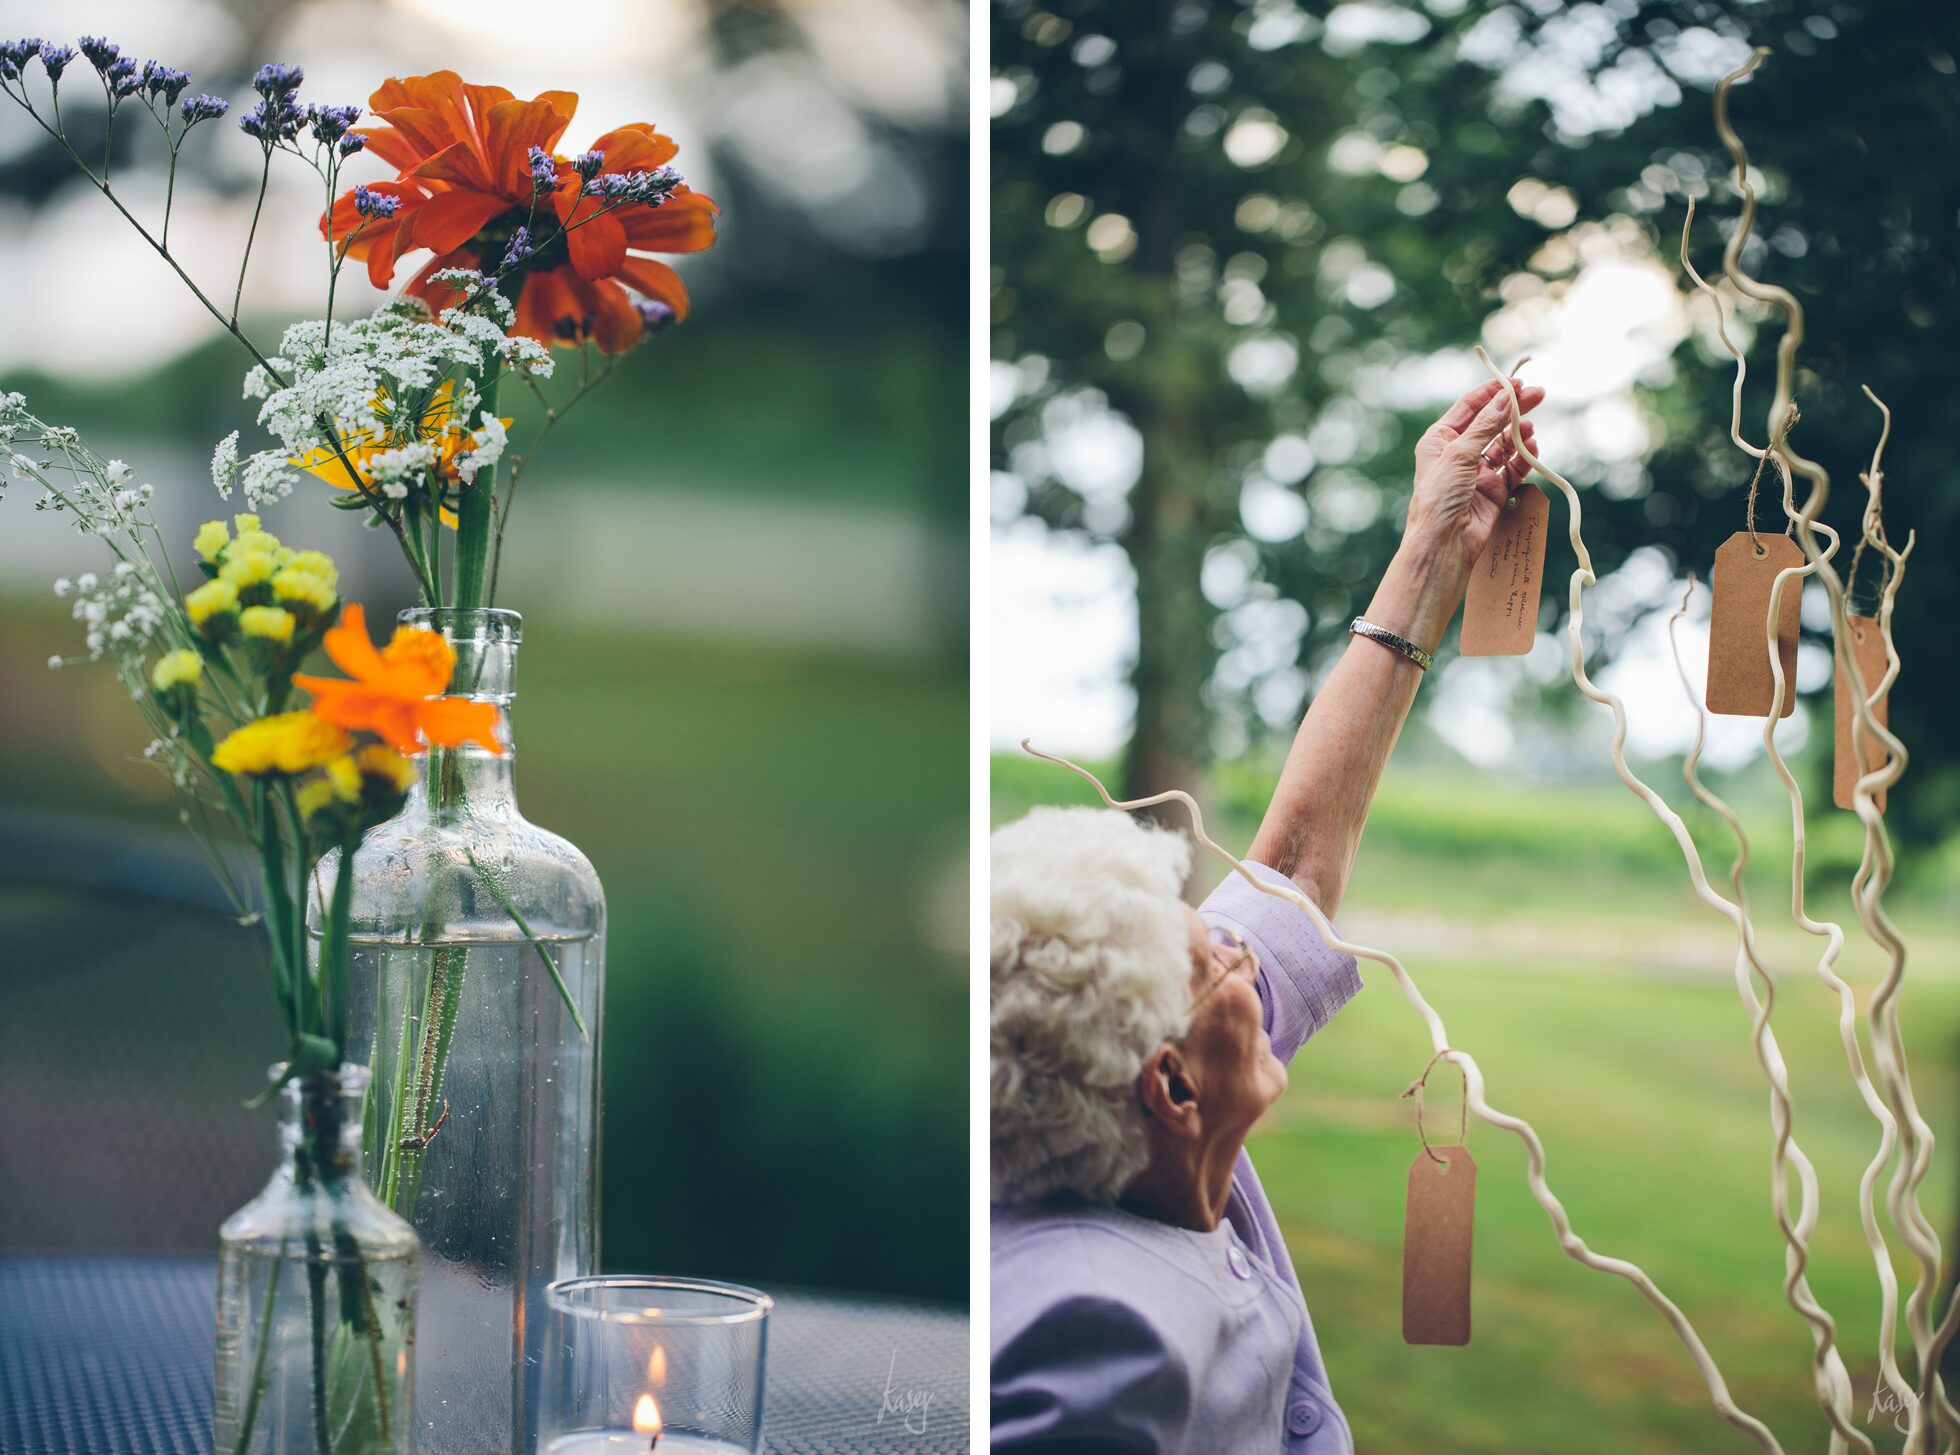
{"x": 1362, "y": 627}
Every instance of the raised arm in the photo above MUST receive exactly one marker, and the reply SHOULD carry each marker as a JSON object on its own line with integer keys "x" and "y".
{"x": 1313, "y": 825}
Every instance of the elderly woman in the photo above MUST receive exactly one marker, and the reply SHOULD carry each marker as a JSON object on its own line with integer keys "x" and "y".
{"x": 1142, "y": 1297}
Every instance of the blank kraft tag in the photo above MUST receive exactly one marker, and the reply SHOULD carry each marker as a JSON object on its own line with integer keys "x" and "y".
{"x": 1500, "y": 610}
{"x": 1868, "y": 646}
{"x": 1739, "y": 681}
{"x": 1436, "y": 1248}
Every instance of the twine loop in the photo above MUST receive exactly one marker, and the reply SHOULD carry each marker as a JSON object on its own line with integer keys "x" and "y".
{"x": 1415, "y": 1091}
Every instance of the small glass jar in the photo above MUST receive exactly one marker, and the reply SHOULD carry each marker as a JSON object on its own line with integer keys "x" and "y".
{"x": 316, "y": 1294}
{"x": 636, "y": 1365}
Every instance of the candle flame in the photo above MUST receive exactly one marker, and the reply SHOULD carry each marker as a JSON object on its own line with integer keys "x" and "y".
{"x": 646, "y": 1416}
{"x": 657, "y": 1367}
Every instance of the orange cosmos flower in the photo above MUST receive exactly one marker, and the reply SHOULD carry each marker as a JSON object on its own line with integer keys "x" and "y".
{"x": 393, "y": 693}
{"x": 465, "y": 184}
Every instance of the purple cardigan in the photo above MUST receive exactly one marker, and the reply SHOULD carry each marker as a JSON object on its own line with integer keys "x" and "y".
{"x": 1113, "y": 1332}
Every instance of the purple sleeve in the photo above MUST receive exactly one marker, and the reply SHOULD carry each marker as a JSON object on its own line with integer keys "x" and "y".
{"x": 1301, "y": 981}
{"x": 1088, "y": 1376}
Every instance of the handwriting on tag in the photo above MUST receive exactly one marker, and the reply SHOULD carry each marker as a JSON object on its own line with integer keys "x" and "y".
{"x": 1739, "y": 680}
{"x": 1868, "y": 646}
{"x": 1436, "y": 1248}
{"x": 1500, "y": 610}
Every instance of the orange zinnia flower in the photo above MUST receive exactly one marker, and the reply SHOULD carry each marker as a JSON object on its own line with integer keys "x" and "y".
{"x": 393, "y": 693}
{"x": 465, "y": 186}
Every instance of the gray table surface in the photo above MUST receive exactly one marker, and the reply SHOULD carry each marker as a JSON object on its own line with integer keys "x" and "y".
{"x": 103, "y": 1355}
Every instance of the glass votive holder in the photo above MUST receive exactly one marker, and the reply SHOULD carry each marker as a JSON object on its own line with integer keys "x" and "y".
{"x": 652, "y": 1366}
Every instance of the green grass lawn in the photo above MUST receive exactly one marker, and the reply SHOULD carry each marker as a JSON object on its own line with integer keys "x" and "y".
{"x": 1596, "y": 993}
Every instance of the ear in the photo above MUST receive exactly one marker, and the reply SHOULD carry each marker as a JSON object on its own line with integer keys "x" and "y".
{"x": 1168, "y": 1092}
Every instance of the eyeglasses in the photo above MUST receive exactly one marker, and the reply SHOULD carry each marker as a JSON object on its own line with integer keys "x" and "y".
{"x": 1231, "y": 955}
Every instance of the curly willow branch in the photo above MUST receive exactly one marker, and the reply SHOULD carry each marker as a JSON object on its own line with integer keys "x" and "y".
{"x": 1832, "y": 1380}
{"x": 1473, "y": 1083}
{"x": 1888, "y": 1047}
{"x": 1847, "y": 1023}
{"x": 1831, "y": 932}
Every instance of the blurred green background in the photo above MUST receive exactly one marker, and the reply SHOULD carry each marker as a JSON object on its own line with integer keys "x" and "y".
{"x": 743, "y": 688}
{"x": 1240, "y": 254}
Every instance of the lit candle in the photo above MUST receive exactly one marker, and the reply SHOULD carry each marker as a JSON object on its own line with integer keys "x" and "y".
{"x": 646, "y": 1420}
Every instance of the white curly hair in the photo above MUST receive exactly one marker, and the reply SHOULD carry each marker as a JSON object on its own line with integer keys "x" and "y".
{"x": 1091, "y": 972}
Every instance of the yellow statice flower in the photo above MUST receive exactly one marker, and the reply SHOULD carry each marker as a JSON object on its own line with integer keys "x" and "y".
{"x": 268, "y": 623}
{"x": 305, "y": 589}
{"x": 212, "y": 537}
{"x": 316, "y": 563}
{"x": 213, "y": 598}
{"x": 290, "y": 743}
{"x": 245, "y": 523}
{"x": 389, "y": 766}
{"x": 344, "y": 777}
{"x": 314, "y": 798}
{"x": 245, "y": 569}
{"x": 177, "y": 669}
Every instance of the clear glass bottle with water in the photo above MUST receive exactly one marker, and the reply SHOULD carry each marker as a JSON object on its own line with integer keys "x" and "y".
{"x": 316, "y": 1295}
{"x": 474, "y": 993}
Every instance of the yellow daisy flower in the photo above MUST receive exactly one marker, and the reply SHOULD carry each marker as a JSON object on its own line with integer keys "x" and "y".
{"x": 177, "y": 669}
{"x": 290, "y": 743}
{"x": 213, "y": 598}
{"x": 212, "y": 537}
{"x": 268, "y": 623}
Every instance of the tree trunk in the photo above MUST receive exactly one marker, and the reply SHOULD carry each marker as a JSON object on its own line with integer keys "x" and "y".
{"x": 1174, "y": 649}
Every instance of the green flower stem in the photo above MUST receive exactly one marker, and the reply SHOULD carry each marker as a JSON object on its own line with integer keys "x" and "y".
{"x": 334, "y": 948}
{"x": 279, "y": 908}
{"x": 564, "y": 992}
{"x": 474, "y": 510}
{"x": 446, "y": 977}
{"x": 257, "y": 1393}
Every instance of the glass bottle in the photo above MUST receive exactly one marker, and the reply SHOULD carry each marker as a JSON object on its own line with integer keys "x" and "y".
{"x": 316, "y": 1294}
{"x": 474, "y": 992}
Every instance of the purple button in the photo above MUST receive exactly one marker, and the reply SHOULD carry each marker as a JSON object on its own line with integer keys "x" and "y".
{"x": 1303, "y": 1417}
{"x": 1237, "y": 1262}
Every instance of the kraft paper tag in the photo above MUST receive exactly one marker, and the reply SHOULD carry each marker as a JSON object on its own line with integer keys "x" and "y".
{"x": 1500, "y": 610}
{"x": 1436, "y": 1248}
{"x": 1868, "y": 646}
{"x": 1739, "y": 681}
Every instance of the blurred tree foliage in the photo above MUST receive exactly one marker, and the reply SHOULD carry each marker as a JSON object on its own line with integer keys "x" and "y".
{"x": 1240, "y": 224}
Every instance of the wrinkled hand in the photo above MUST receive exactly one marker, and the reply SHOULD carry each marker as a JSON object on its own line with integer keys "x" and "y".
{"x": 1459, "y": 490}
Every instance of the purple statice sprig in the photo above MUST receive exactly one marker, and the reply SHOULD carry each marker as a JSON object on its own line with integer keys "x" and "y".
{"x": 15, "y": 55}
{"x": 275, "y": 79}
{"x": 278, "y": 116}
{"x": 124, "y": 78}
{"x": 587, "y": 164}
{"x": 651, "y": 188}
{"x": 101, "y": 54}
{"x": 654, "y": 315}
{"x": 519, "y": 248}
{"x": 56, "y": 58}
{"x": 330, "y": 123}
{"x": 203, "y": 108}
{"x": 544, "y": 171}
{"x": 163, "y": 82}
{"x": 369, "y": 203}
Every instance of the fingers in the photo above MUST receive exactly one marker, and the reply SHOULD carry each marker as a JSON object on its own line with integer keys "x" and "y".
{"x": 1503, "y": 467}
{"x": 1465, "y": 411}
{"x": 1495, "y": 415}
